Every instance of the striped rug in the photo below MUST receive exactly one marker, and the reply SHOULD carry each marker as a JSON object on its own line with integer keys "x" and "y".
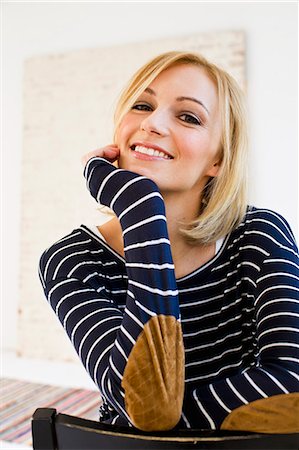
{"x": 19, "y": 400}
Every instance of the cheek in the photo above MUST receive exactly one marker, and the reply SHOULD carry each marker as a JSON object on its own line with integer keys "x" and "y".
{"x": 194, "y": 146}
{"x": 125, "y": 131}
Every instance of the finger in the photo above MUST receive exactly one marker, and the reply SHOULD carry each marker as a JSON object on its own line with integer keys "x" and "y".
{"x": 110, "y": 152}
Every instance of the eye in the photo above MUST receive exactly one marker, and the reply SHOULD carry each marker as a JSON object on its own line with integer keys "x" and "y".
{"x": 188, "y": 118}
{"x": 142, "y": 107}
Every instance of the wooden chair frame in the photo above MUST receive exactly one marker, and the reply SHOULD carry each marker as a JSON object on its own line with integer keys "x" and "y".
{"x": 52, "y": 431}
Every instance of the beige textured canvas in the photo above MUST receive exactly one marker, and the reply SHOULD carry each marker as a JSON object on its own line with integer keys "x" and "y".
{"x": 69, "y": 101}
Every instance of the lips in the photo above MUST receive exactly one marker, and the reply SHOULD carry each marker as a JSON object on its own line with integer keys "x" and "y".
{"x": 149, "y": 149}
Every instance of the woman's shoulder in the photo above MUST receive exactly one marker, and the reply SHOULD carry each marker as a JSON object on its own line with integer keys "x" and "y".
{"x": 268, "y": 228}
{"x": 76, "y": 249}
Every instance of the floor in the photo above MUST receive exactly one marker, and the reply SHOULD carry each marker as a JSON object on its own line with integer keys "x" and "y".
{"x": 40, "y": 371}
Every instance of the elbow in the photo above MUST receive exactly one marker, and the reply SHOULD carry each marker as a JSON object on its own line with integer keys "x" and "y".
{"x": 155, "y": 416}
{"x": 154, "y": 378}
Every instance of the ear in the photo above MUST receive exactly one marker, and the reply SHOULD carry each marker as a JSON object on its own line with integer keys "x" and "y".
{"x": 214, "y": 169}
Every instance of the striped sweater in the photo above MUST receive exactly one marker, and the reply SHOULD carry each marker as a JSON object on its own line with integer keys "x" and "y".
{"x": 168, "y": 352}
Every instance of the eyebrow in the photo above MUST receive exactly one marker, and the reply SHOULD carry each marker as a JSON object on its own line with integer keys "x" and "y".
{"x": 181, "y": 99}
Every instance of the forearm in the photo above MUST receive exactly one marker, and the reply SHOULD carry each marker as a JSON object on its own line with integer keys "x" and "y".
{"x": 151, "y": 368}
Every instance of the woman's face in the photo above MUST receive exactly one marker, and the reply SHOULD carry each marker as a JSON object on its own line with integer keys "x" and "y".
{"x": 172, "y": 132}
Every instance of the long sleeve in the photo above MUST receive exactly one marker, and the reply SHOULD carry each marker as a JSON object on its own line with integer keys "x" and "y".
{"x": 265, "y": 394}
{"x": 135, "y": 357}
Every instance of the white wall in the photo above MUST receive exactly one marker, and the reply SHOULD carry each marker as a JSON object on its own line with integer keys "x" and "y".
{"x": 31, "y": 29}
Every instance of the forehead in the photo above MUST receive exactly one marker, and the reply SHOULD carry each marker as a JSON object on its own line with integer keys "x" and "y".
{"x": 186, "y": 80}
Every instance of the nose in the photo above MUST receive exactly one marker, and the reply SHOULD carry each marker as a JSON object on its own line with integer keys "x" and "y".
{"x": 155, "y": 123}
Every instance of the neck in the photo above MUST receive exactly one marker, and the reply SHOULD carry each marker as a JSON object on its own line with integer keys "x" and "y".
{"x": 179, "y": 211}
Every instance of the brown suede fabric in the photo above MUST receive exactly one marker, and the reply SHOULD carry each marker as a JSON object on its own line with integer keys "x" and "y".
{"x": 277, "y": 414}
{"x": 154, "y": 376}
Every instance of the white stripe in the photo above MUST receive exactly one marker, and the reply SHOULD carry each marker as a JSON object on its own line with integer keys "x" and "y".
{"x": 213, "y": 343}
{"x": 278, "y": 315}
{"x": 90, "y": 331}
{"x": 148, "y": 243}
{"x": 129, "y": 313}
{"x": 115, "y": 369}
{"x": 87, "y": 317}
{"x": 275, "y": 226}
{"x": 77, "y": 307}
{"x": 63, "y": 248}
{"x": 114, "y": 277}
{"x": 274, "y": 274}
{"x": 151, "y": 265}
{"x": 248, "y": 263}
{"x": 274, "y": 288}
{"x": 278, "y": 329}
{"x": 144, "y": 222}
{"x": 125, "y": 186}
{"x": 286, "y": 358}
{"x": 262, "y": 393}
{"x": 279, "y": 344}
{"x": 104, "y": 182}
{"x": 138, "y": 202}
{"x": 69, "y": 280}
{"x": 200, "y": 302}
{"x": 186, "y": 420}
{"x": 250, "y": 281}
{"x": 231, "y": 350}
{"x": 209, "y": 419}
{"x": 281, "y": 260}
{"x": 95, "y": 343}
{"x": 203, "y": 286}
{"x": 221, "y": 266}
{"x": 99, "y": 359}
{"x": 70, "y": 295}
{"x": 272, "y": 239}
{"x": 131, "y": 294}
{"x": 148, "y": 311}
{"x": 154, "y": 290}
{"x": 212, "y": 328}
{"x": 215, "y": 313}
{"x": 119, "y": 407}
{"x": 188, "y": 380}
{"x": 84, "y": 263}
{"x": 237, "y": 393}
{"x": 272, "y": 213}
{"x": 96, "y": 252}
{"x": 90, "y": 276}
{"x": 254, "y": 247}
{"x": 41, "y": 277}
{"x": 90, "y": 161}
{"x": 122, "y": 328}
{"x": 275, "y": 381}
{"x": 65, "y": 258}
{"x": 219, "y": 399}
{"x": 102, "y": 288}
{"x": 121, "y": 350}
{"x": 89, "y": 178}
{"x": 287, "y": 300}
{"x": 115, "y": 419}
{"x": 295, "y": 375}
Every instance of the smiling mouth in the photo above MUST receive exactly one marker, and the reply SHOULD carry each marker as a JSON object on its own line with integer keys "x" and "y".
{"x": 150, "y": 151}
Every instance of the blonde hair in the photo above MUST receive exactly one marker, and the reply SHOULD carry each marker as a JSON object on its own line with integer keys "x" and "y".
{"x": 224, "y": 198}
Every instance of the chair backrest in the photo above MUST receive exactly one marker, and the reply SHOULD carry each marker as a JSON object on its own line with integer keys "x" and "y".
{"x": 52, "y": 431}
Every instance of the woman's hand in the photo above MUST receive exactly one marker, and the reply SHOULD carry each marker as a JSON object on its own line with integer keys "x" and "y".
{"x": 110, "y": 152}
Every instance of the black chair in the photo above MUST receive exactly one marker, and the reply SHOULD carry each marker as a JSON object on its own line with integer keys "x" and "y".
{"x": 52, "y": 431}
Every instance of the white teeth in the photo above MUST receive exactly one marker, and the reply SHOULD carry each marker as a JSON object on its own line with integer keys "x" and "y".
{"x": 150, "y": 151}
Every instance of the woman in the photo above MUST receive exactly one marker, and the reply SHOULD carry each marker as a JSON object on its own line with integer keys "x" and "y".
{"x": 184, "y": 307}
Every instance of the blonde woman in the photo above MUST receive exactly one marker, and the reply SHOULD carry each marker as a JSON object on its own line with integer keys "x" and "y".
{"x": 184, "y": 306}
